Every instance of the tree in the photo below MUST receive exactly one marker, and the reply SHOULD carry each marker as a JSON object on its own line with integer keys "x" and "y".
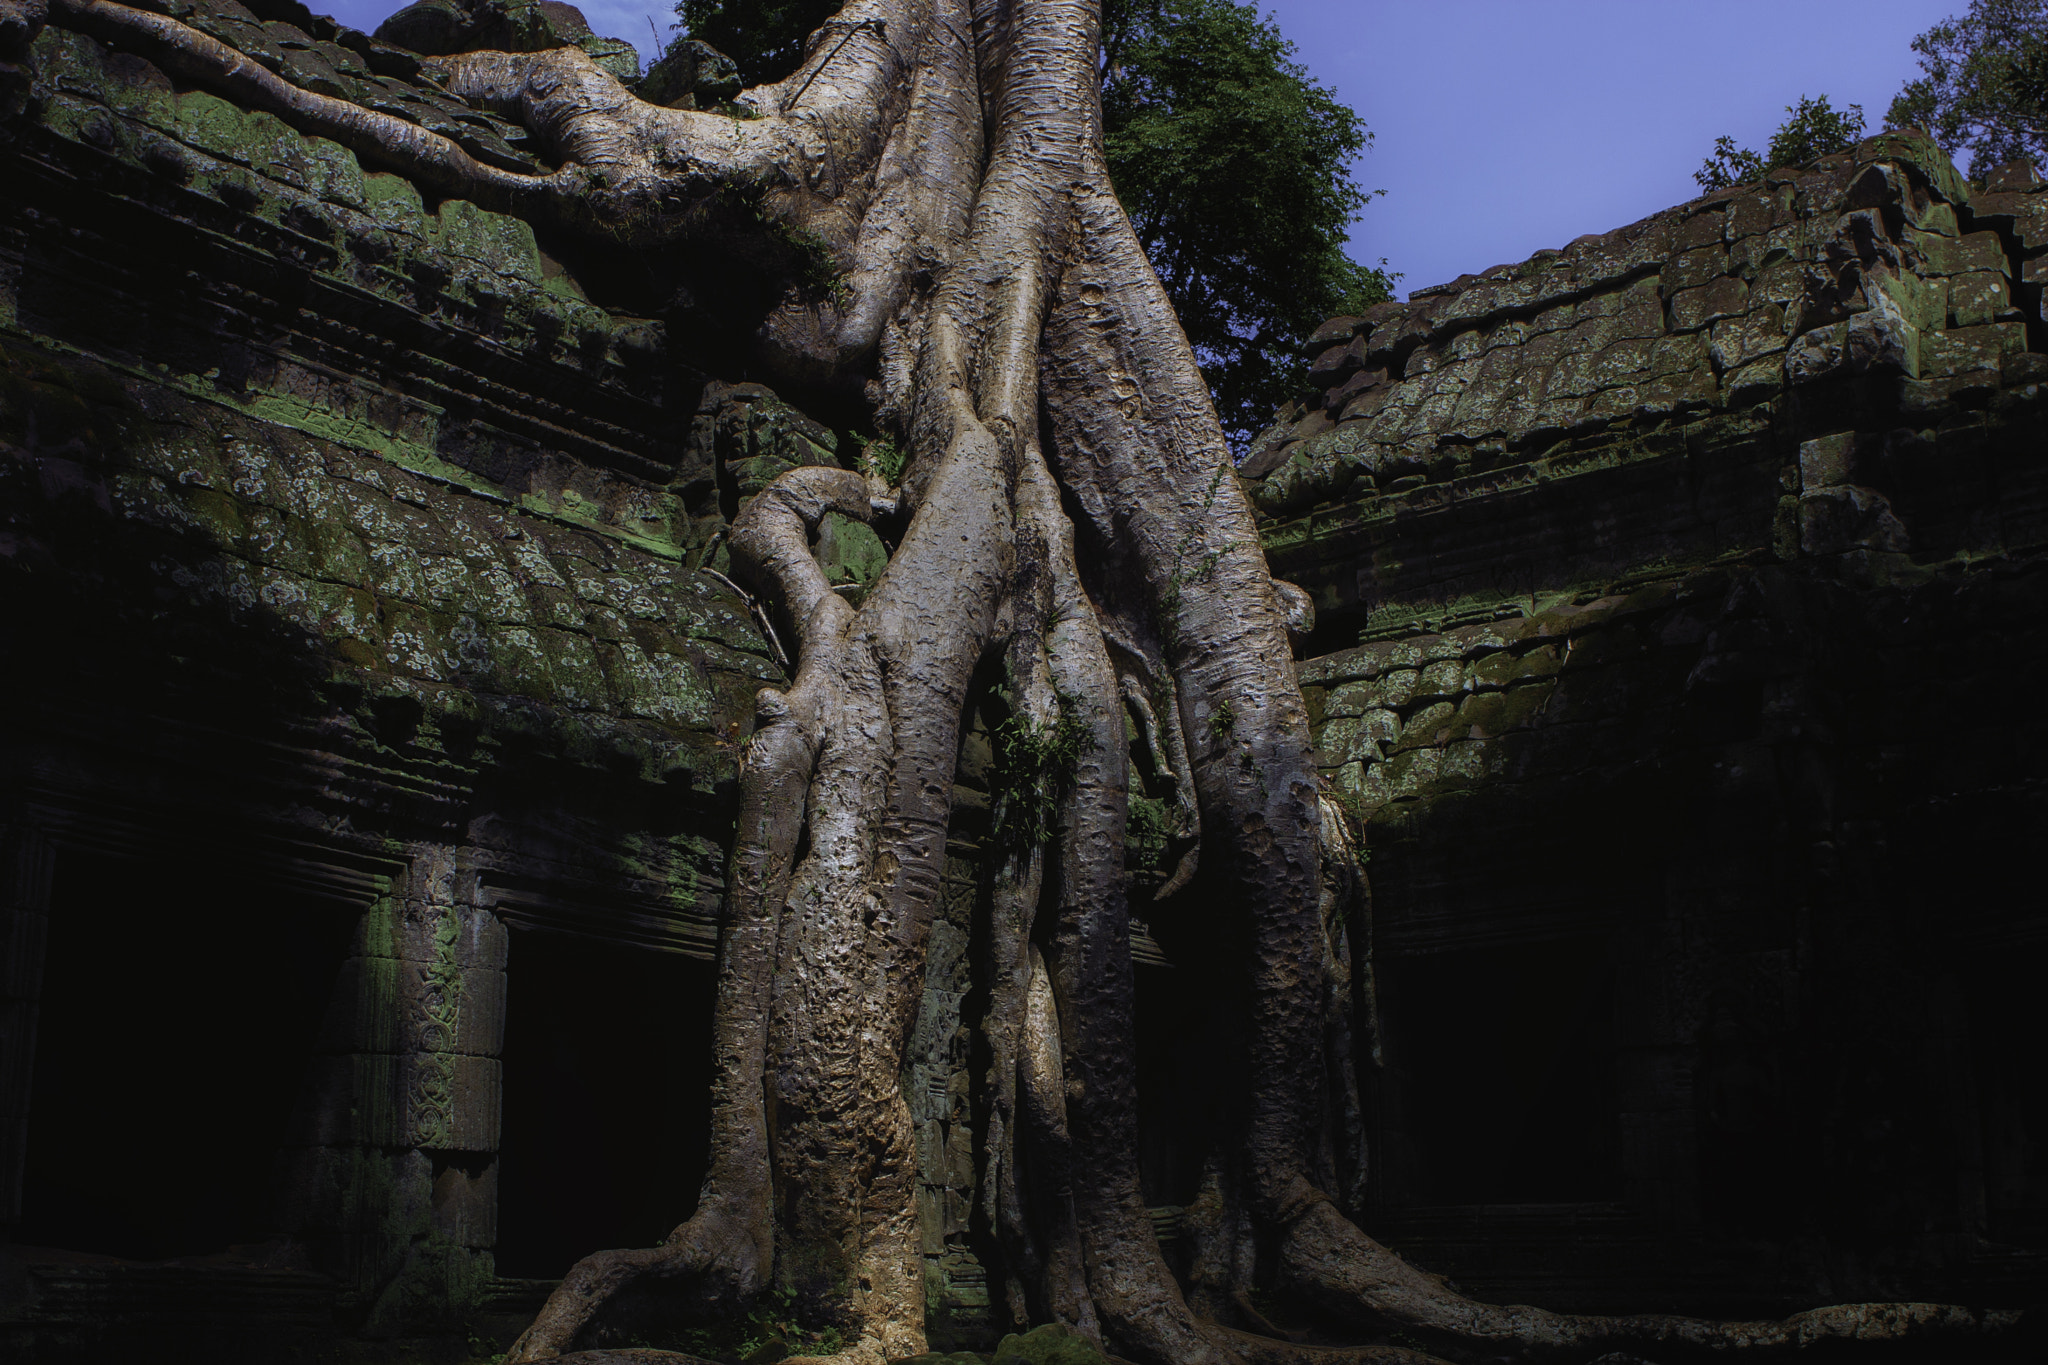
{"x": 1235, "y": 168}
{"x": 1814, "y": 129}
{"x": 1985, "y": 90}
{"x": 1232, "y": 162}
{"x": 1068, "y": 516}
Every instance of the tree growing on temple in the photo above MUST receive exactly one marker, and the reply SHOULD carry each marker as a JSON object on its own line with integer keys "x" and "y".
{"x": 1813, "y": 128}
{"x": 1234, "y": 165}
{"x": 928, "y": 191}
{"x": 1984, "y": 84}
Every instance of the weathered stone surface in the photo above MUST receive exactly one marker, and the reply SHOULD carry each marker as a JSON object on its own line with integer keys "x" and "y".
{"x": 1051, "y": 1344}
{"x": 691, "y": 74}
{"x": 1627, "y": 668}
{"x": 376, "y": 540}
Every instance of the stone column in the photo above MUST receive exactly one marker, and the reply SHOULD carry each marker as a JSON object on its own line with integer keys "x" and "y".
{"x": 25, "y": 858}
{"x": 397, "y": 1177}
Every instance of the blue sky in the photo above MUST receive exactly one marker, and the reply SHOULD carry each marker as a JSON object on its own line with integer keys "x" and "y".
{"x": 1506, "y": 126}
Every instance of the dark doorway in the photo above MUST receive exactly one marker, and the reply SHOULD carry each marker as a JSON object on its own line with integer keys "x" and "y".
{"x": 1508, "y": 1061}
{"x": 180, "y": 1001}
{"x": 1190, "y": 1042}
{"x": 2011, "y": 1076}
{"x": 607, "y": 1099}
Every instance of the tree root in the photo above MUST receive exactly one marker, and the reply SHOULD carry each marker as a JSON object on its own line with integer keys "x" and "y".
{"x": 428, "y": 157}
{"x": 1326, "y": 1258}
{"x": 1255, "y": 1349}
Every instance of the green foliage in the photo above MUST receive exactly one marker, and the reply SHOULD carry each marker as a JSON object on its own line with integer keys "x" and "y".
{"x": 765, "y": 37}
{"x": 1729, "y": 165}
{"x": 1224, "y": 723}
{"x": 1146, "y": 832}
{"x": 884, "y": 458}
{"x": 1034, "y": 771}
{"x": 1814, "y": 130}
{"x": 770, "y": 1330}
{"x": 1235, "y": 167}
{"x": 1985, "y": 84}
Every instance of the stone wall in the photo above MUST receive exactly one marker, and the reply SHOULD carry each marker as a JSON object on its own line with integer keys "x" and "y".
{"x": 351, "y": 550}
{"x": 1666, "y": 586}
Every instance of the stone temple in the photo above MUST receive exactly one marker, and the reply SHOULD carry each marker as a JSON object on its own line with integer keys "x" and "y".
{"x": 374, "y": 699}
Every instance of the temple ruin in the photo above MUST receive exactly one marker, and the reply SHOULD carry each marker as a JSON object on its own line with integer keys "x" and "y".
{"x": 377, "y": 694}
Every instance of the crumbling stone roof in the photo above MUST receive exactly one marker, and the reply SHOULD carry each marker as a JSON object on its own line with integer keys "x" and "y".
{"x": 1878, "y": 256}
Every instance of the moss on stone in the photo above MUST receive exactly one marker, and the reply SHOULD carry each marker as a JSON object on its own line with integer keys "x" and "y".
{"x": 1052, "y": 1344}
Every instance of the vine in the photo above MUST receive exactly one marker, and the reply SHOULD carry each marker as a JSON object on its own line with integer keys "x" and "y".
{"x": 1034, "y": 771}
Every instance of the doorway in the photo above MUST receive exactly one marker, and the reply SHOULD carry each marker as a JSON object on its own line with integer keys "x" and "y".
{"x": 180, "y": 1001}
{"x": 607, "y": 1067}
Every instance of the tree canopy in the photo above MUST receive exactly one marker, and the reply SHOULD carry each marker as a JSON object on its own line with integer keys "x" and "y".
{"x": 1985, "y": 87}
{"x": 1235, "y": 166}
{"x": 1233, "y": 163}
{"x": 1812, "y": 129}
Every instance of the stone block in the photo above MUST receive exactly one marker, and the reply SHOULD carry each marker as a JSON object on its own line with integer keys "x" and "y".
{"x": 437, "y": 1287}
{"x": 1445, "y": 678}
{"x": 1922, "y": 301}
{"x": 1754, "y": 213}
{"x": 1694, "y": 269}
{"x": 2025, "y": 216}
{"x": 1719, "y": 298}
{"x": 1961, "y": 255}
{"x": 1397, "y": 686}
{"x": 464, "y": 1203}
{"x": 1340, "y": 397}
{"x": 1347, "y": 738}
{"x": 461, "y": 935}
{"x": 1336, "y": 363}
{"x": 1433, "y": 724}
{"x": 1736, "y": 341}
{"x": 352, "y": 1189}
{"x": 1052, "y": 1344}
{"x": 1336, "y": 331}
{"x": 1701, "y": 229}
{"x": 1962, "y": 350}
{"x": 1349, "y": 699}
{"x": 1826, "y": 461}
{"x": 1978, "y": 298}
{"x": 348, "y": 1101}
{"x": 450, "y": 1103}
{"x": 1503, "y": 668}
{"x": 1834, "y": 520}
{"x": 1377, "y": 731}
{"x": 1879, "y": 338}
{"x": 931, "y": 1230}
{"x": 1781, "y": 282}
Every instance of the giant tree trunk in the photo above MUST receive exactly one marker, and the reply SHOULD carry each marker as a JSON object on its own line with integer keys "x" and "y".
{"x": 1069, "y": 510}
